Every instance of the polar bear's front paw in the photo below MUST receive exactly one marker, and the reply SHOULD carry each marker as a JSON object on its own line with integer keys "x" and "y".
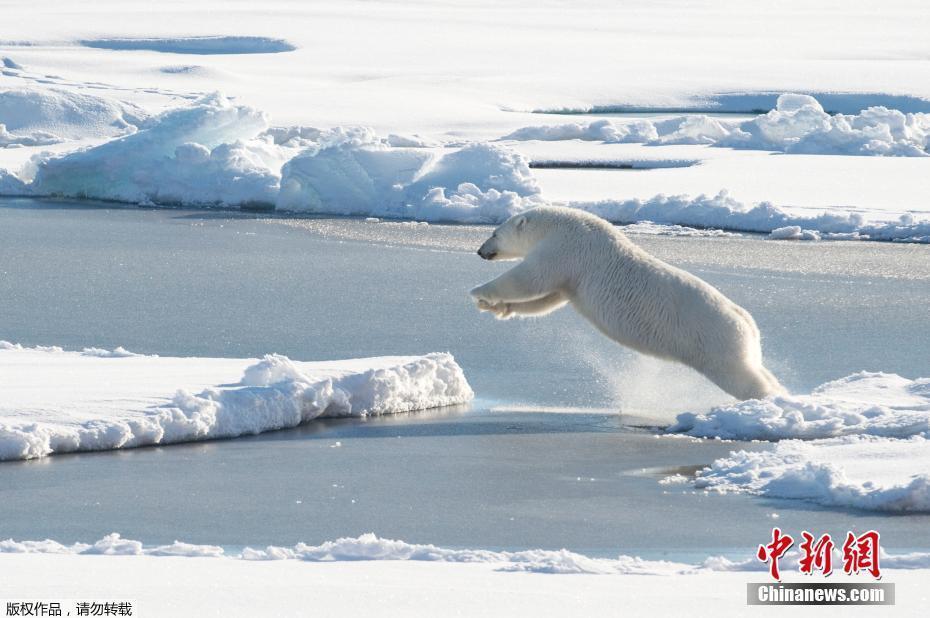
{"x": 501, "y": 311}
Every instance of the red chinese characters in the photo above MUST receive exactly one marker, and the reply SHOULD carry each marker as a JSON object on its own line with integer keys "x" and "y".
{"x": 860, "y": 553}
{"x": 772, "y": 552}
{"x": 817, "y": 555}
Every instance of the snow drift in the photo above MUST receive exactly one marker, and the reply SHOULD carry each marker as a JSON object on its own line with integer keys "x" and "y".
{"x": 798, "y": 124}
{"x": 217, "y": 153}
{"x": 480, "y": 183}
{"x": 54, "y": 401}
{"x": 859, "y": 472}
{"x": 370, "y": 547}
{"x": 724, "y": 212}
{"x": 36, "y": 117}
{"x": 877, "y": 404}
{"x": 860, "y": 442}
{"x": 190, "y": 155}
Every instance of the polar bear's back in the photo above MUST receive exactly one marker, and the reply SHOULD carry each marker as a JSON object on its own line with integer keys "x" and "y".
{"x": 643, "y": 302}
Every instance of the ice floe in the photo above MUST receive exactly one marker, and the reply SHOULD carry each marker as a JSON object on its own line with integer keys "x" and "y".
{"x": 723, "y": 211}
{"x": 861, "y": 442}
{"x": 877, "y": 404}
{"x": 479, "y": 183}
{"x": 858, "y": 472}
{"x": 56, "y": 401}
{"x": 190, "y": 155}
{"x": 798, "y": 124}
{"x": 214, "y": 152}
{"x": 370, "y": 547}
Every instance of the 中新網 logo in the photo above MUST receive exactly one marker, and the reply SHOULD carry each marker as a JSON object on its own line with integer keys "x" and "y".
{"x": 860, "y": 553}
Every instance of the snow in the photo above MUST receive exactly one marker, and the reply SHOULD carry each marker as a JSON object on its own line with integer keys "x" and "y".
{"x": 479, "y": 183}
{"x": 797, "y": 125}
{"x": 722, "y": 211}
{"x": 11, "y": 185}
{"x": 176, "y": 586}
{"x": 47, "y": 115}
{"x": 858, "y": 472}
{"x": 369, "y": 547}
{"x": 793, "y": 232}
{"x": 190, "y": 155}
{"x": 656, "y": 229}
{"x": 55, "y": 401}
{"x": 213, "y": 152}
{"x": 37, "y": 138}
{"x": 858, "y": 442}
{"x": 877, "y": 404}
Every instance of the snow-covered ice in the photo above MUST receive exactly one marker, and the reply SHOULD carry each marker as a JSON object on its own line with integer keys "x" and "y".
{"x": 41, "y": 116}
{"x": 479, "y": 183}
{"x": 409, "y": 589}
{"x": 857, "y": 472}
{"x": 865, "y": 403}
{"x": 797, "y": 125}
{"x": 190, "y": 155}
{"x": 57, "y": 401}
{"x": 370, "y": 547}
{"x": 215, "y": 152}
{"x": 858, "y": 442}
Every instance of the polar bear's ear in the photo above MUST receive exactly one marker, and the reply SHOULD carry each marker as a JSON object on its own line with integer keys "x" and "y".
{"x": 520, "y": 222}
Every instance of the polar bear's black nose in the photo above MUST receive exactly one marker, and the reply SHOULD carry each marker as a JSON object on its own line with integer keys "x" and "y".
{"x": 486, "y": 256}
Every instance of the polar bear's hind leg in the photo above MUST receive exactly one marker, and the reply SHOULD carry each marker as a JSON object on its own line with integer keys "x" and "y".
{"x": 744, "y": 381}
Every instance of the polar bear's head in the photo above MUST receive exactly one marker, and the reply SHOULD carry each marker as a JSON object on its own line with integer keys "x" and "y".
{"x": 516, "y": 236}
{"x": 510, "y": 241}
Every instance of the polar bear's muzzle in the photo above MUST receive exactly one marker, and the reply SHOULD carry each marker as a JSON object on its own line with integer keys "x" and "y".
{"x": 486, "y": 252}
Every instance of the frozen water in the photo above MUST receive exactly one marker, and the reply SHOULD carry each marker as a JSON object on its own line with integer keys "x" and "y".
{"x": 312, "y": 284}
{"x": 196, "y": 45}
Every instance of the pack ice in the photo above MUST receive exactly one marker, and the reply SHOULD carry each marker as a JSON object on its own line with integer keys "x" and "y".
{"x": 56, "y": 401}
{"x": 214, "y": 152}
{"x": 797, "y": 125}
{"x": 370, "y": 547}
{"x": 859, "y": 442}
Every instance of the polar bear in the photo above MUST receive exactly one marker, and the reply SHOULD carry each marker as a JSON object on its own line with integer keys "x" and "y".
{"x": 570, "y": 256}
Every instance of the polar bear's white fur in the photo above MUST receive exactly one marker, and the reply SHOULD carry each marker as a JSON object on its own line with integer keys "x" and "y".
{"x": 632, "y": 297}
